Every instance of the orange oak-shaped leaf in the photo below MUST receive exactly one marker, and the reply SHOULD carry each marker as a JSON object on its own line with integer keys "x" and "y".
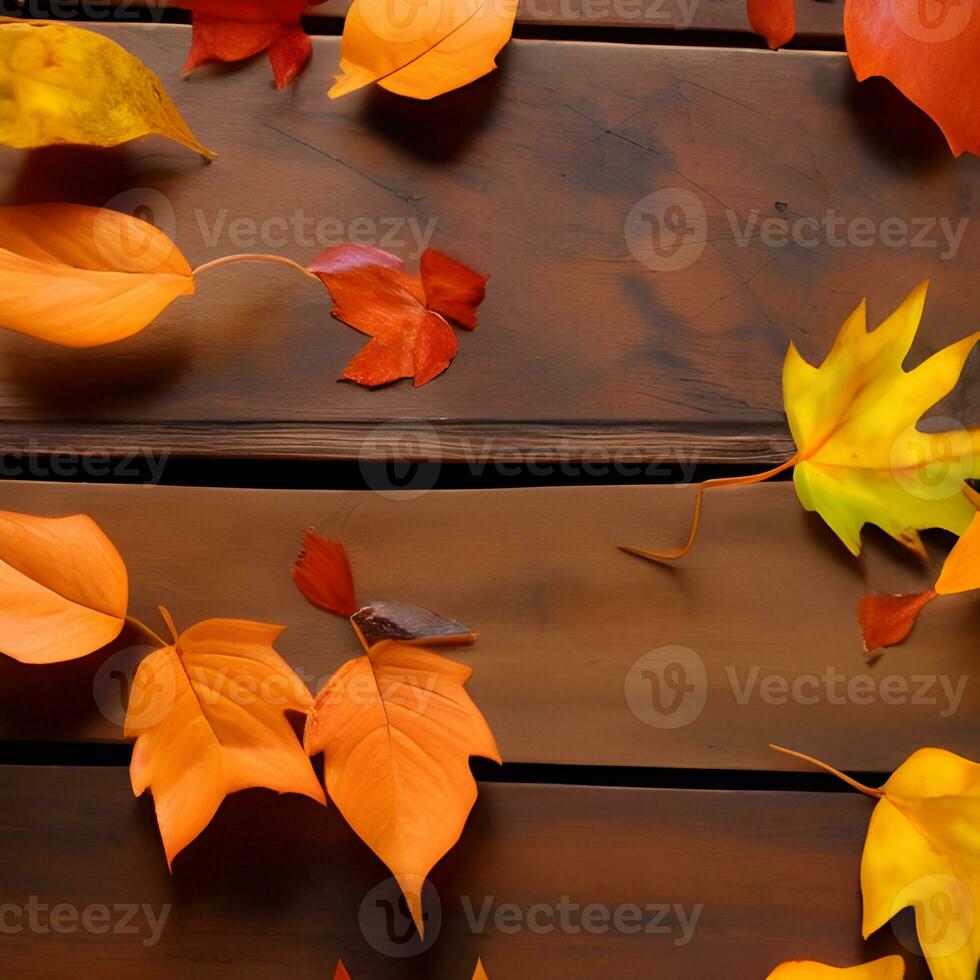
{"x": 929, "y": 51}
{"x": 63, "y": 588}
{"x": 435, "y": 48}
{"x": 230, "y": 30}
{"x": 887, "y": 968}
{"x": 406, "y": 316}
{"x": 888, "y": 619}
{"x": 209, "y": 716}
{"x": 341, "y": 972}
{"x": 775, "y": 20}
{"x": 397, "y": 731}
{"x": 81, "y": 276}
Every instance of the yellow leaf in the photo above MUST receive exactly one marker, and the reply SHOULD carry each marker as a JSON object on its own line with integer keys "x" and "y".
{"x": 208, "y": 712}
{"x": 861, "y": 459}
{"x": 421, "y": 49}
{"x": 63, "y": 588}
{"x": 887, "y": 968}
{"x": 923, "y": 851}
{"x": 961, "y": 570}
{"x": 397, "y": 731}
{"x": 61, "y": 84}
{"x": 80, "y": 276}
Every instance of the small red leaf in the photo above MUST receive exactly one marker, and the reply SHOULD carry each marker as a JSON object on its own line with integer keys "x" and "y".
{"x": 404, "y": 315}
{"x": 231, "y": 30}
{"x": 775, "y": 20}
{"x": 341, "y": 972}
{"x": 322, "y": 573}
{"x": 451, "y": 288}
{"x": 888, "y": 619}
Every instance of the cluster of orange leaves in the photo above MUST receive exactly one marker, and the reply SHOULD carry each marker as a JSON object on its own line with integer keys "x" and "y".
{"x": 394, "y": 725}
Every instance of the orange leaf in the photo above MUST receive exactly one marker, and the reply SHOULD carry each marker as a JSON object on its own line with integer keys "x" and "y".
{"x": 63, "y": 588}
{"x": 436, "y": 48}
{"x": 479, "y": 973}
{"x": 322, "y": 573}
{"x": 775, "y": 20}
{"x": 231, "y": 30}
{"x": 81, "y": 276}
{"x": 397, "y": 730}
{"x": 929, "y": 51}
{"x": 888, "y": 619}
{"x": 404, "y": 315}
{"x": 341, "y": 972}
{"x": 208, "y": 712}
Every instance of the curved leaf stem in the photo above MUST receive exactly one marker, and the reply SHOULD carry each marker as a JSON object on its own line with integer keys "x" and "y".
{"x": 729, "y": 481}
{"x": 251, "y": 257}
{"x": 146, "y": 631}
{"x": 860, "y": 787}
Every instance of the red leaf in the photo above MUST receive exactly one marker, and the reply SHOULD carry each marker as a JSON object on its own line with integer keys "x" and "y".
{"x": 230, "y": 30}
{"x": 404, "y": 315}
{"x": 929, "y": 51}
{"x": 775, "y": 20}
{"x": 322, "y": 573}
{"x": 341, "y": 972}
{"x": 888, "y": 619}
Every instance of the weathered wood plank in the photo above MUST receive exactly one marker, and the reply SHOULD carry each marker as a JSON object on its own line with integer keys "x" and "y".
{"x": 531, "y": 175}
{"x": 276, "y": 885}
{"x": 764, "y": 607}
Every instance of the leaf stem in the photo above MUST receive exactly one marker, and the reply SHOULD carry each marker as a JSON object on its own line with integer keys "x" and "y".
{"x": 251, "y": 257}
{"x": 728, "y": 481}
{"x": 146, "y": 631}
{"x": 860, "y": 787}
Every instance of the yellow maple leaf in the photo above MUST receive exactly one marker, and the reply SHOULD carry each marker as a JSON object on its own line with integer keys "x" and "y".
{"x": 887, "y": 968}
{"x": 923, "y": 851}
{"x": 862, "y": 459}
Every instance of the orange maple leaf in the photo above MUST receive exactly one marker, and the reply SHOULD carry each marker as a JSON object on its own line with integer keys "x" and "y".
{"x": 209, "y": 716}
{"x": 406, "y": 316}
{"x": 64, "y": 589}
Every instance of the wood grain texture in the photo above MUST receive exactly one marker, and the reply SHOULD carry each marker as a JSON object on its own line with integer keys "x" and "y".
{"x": 275, "y": 885}
{"x": 765, "y": 606}
{"x": 529, "y": 175}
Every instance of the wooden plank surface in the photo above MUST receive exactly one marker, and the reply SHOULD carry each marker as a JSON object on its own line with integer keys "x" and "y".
{"x": 279, "y": 885}
{"x": 577, "y": 639}
{"x": 531, "y": 175}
